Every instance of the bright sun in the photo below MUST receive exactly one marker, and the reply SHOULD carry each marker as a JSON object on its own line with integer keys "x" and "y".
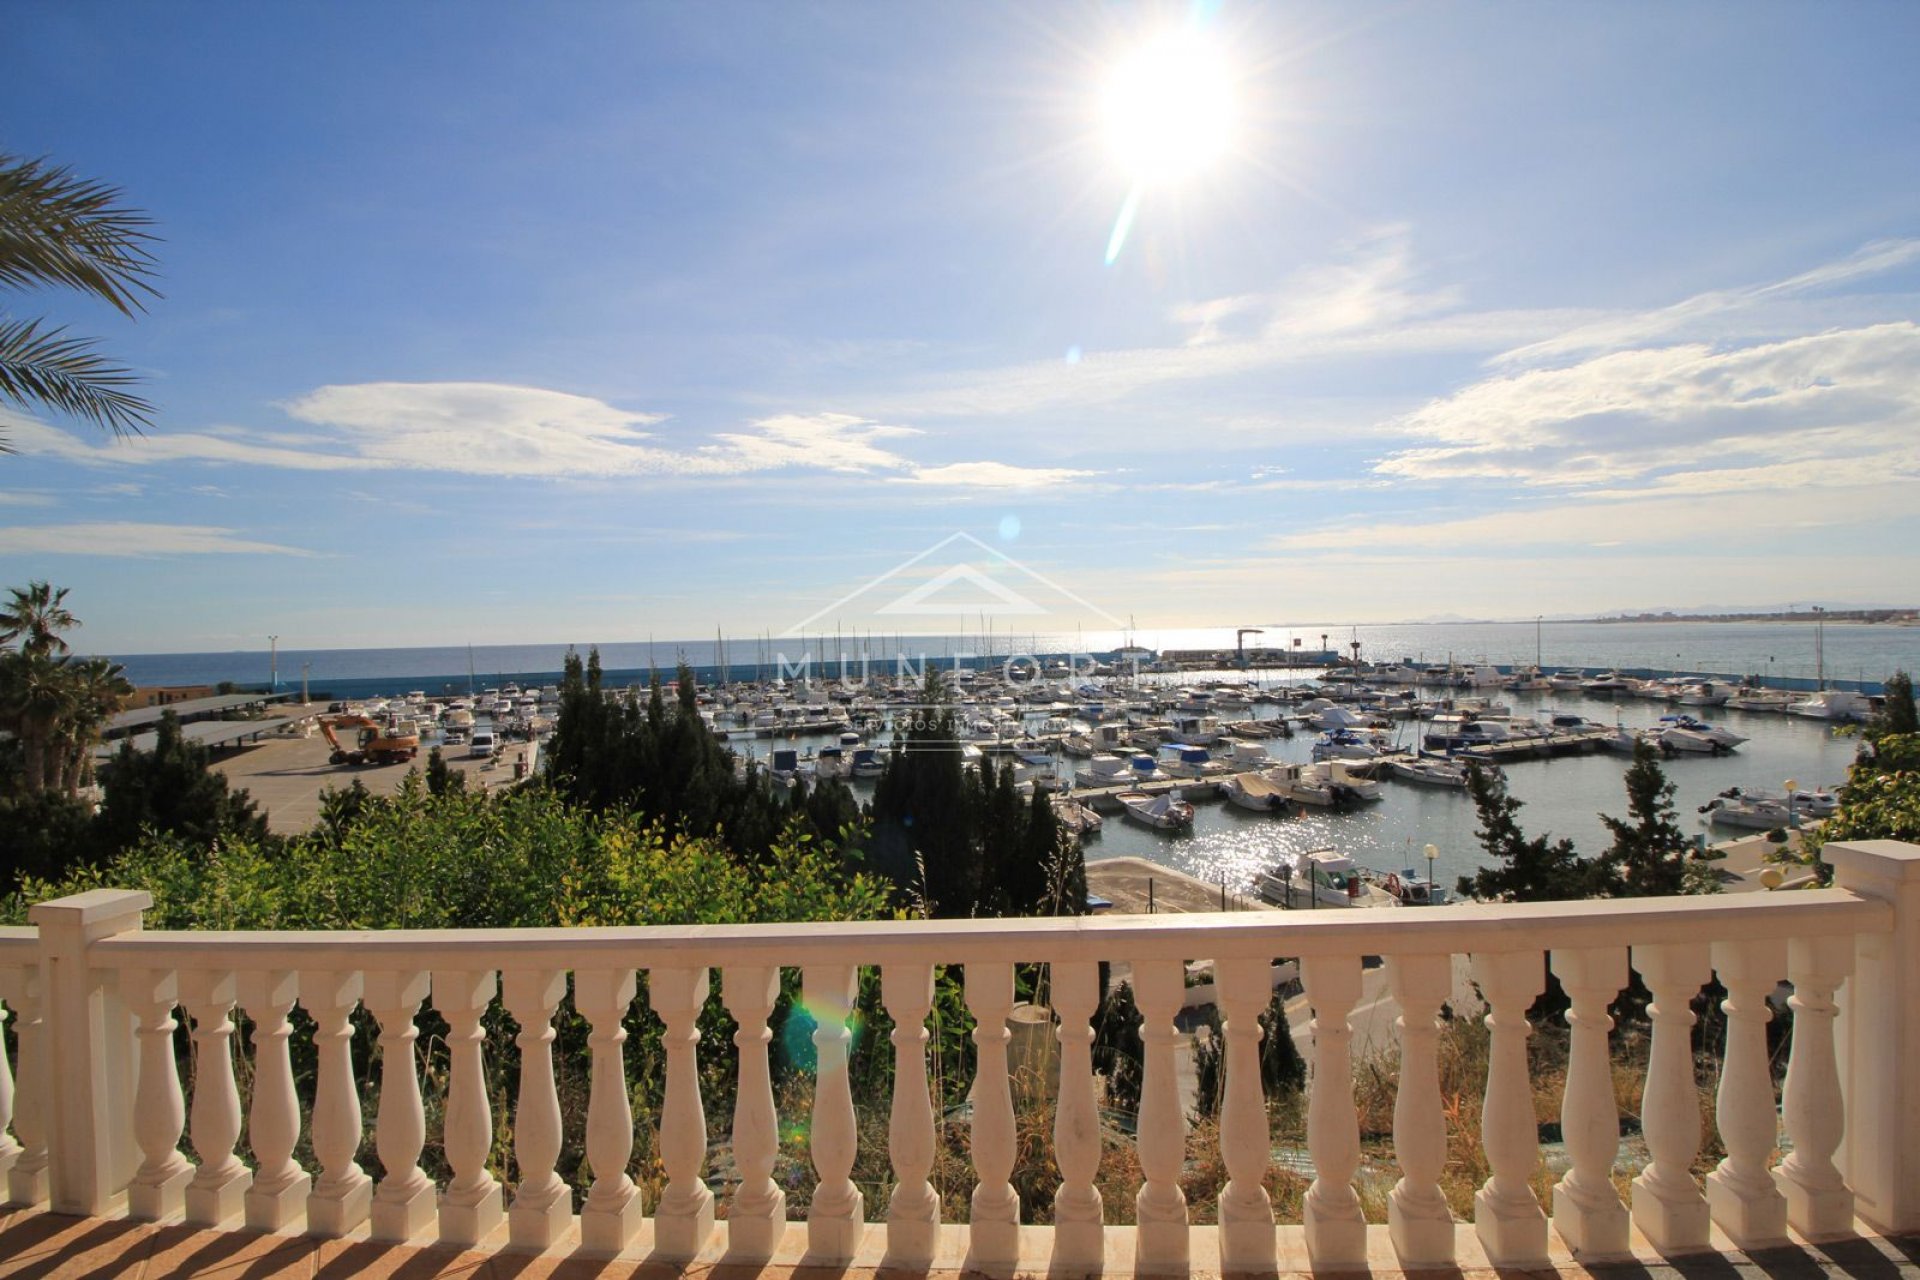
{"x": 1168, "y": 107}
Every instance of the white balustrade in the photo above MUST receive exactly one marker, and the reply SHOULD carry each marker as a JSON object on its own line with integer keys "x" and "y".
{"x": 1079, "y": 1240}
{"x": 473, "y": 1205}
{"x": 757, "y": 1214}
{"x": 1667, "y": 1204}
{"x": 837, "y": 1215}
{"x": 1506, "y": 1214}
{"x": 25, "y": 1179}
{"x": 1336, "y": 1229}
{"x": 1418, "y": 1219}
{"x": 542, "y": 1211}
{"x": 1247, "y": 1239}
{"x": 1587, "y": 1211}
{"x": 343, "y": 1194}
{"x": 1741, "y": 1194}
{"x": 9, "y": 1146}
{"x": 993, "y": 1232}
{"x": 683, "y": 1220}
{"x": 913, "y": 1210}
{"x": 280, "y": 1186}
{"x": 27, "y": 1171}
{"x": 1854, "y": 949}
{"x": 158, "y": 1189}
{"x": 220, "y": 1184}
{"x": 1160, "y": 1207}
{"x": 610, "y": 1218}
{"x": 1819, "y": 1203}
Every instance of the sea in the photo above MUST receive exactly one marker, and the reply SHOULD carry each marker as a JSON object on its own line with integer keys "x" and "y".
{"x": 1229, "y": 846}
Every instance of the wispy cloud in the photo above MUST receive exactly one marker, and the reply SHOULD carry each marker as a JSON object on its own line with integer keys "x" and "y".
{"x": 995, "y": 475}
{"x": 1690, "y": 315}
{"x": 1623, "y": 416}
{"x": 133, "y": 540}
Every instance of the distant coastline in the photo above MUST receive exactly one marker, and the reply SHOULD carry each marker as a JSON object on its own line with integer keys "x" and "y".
{"x": 1872, "y": 617}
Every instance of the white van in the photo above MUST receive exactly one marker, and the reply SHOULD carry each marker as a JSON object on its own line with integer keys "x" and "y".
{"x": 481, "y": 743}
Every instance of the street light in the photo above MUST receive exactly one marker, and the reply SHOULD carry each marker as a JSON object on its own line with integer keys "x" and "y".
{"x": 273, "y": 664}
{"x": 1433, "y": 886}
{"x": 1791, "y": 786}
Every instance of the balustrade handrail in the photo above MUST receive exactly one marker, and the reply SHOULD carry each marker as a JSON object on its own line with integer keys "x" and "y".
{"x": 1466, "y": 928}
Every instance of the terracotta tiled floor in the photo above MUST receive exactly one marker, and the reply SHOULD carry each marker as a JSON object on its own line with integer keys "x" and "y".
{"x": 35, "y": 1244}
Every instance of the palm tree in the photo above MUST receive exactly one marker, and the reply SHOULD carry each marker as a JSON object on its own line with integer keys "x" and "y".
{"x": 97, "y": 690}
{"x": 35, "y": 617}
{"x": 36, "y": 694}
{"x": 64, "y": 231}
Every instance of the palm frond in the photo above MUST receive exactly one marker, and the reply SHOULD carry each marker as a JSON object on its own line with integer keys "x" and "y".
{"x": 45, "y": 367}
{"x": 60, "y": 229}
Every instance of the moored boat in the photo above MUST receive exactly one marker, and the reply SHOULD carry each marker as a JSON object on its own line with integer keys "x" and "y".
{"x": 1167, "y": 811}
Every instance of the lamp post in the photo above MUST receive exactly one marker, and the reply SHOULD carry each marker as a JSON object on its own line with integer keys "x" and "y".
{"x": 1792, "y": 786}
{"x": 1433, "y": 886}
{"x": 304, "y": 668}
{"x": 273, "y": 664}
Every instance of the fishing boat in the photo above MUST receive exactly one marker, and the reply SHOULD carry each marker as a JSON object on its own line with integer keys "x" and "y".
{"x": 1073, "y": 816}
{"x": 1256, "y": 792}
{"x": 1164, "y": 812}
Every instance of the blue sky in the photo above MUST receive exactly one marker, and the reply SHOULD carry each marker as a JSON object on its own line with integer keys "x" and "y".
{"x": 504, "y": 323}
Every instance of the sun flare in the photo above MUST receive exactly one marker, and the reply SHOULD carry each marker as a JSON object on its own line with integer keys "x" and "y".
{"x": 1168, "y": 107}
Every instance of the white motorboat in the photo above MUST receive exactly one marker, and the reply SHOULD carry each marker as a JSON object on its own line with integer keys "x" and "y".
{"x": 832, "y": 762}
{"x": 1317, "y": 878}
{"x": 1256, "y": 792}
{"x": 1105, "y": 771}
{"x": 1345, "y": 781}
{"x": 1345, "y": 744}
{"x": 1833, "y": 704}
{"x": 1164, "y": 812}
{"x": 1190, "y": 762}
{"x": 1721, "y": 736}
{"x": 1076, "y": 817}
{"x": 1411, "y": 889}
{"x": 1752, "y": 699}
{"x": 867, "y": 763}
{"x": 1429, "y": 772}
{"x": 1673, "y": 737}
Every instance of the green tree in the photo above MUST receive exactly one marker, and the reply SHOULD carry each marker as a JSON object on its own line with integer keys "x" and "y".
{"x": 1897, "y": 714}
{"x": 1651, "y": 856}
{"x": 58, "y": 230}
{"x": 171, "y": 790}
{"x": 36, "y": 617}
{"x": 1881, "y": 800}
{"x": 1536, "y": 870}
{"x": 442, "y": 777}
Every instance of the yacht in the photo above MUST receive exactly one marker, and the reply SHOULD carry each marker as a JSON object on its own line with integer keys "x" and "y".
{"x": 1318, "y": 878}
{"x": 1833, "y": 704}
{"x": 1427, "y": 771}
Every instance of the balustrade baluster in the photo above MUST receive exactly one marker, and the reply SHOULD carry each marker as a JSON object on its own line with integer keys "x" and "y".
{"x": 1506, "y": 1214}
{"x": 280, "y": 1186}
{"x": 1587, "y": 1211}
{"x": 1418, "y": 1219}
{"x": 403, "y": 1198}
{"x": 27, "y": 1178}
{"x": 993, "y": 1230}
{"x": 1079, "y": 1236}
{"x": 611, "y": 1215}
{"x": 913, "y": 1210}
{"x": 1667, "y": 1204}
{"x": 158, "y": 1189}
{"x": 683, "y": 1220}
{"x": 473, "y": 1205}
{"x": 1335, "y": 1227}
{"x": 838, "y": 1212}
{"x": 219, "y": 1187}
{"x": 1248, "y": 1243}
{"x": 9, "y": 1147}
{"x": 343, "y": 1193}
{"x": 757, "y": 1214}
{"x": 1740, "y": 1192}
{"x": 1819, "y": 1202}
{"x": 1160, "y": 1207}
{"x": 542, "y": 1208}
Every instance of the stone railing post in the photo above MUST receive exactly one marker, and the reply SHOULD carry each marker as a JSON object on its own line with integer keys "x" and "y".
{"x": 87, "y": 1040}
{"x": 1880, "y": 1037}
